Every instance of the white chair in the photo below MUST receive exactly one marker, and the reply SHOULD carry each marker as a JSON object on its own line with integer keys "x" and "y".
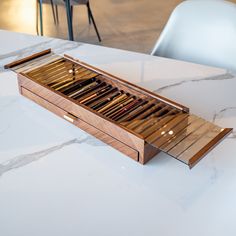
{"x": 201, "y": 31}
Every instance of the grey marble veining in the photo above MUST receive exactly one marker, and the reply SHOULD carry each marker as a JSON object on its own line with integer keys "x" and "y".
{"x": 220, "y": 114}
{"x": 226, "y": 76}
{"x": 24, "y": 159}
{"x": 222, "y": 111}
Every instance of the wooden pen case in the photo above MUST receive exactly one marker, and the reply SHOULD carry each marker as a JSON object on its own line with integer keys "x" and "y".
{"x": 131, "y": 143}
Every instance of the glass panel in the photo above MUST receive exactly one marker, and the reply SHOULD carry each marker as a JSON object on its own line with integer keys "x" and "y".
{"x": 173, "y": 132}
{"x": 192, "y": 150}
{"x": 190, "y": 139}
{"x": 38, "y": 62}
{"x": 191, "y": 126}
{"x": 157, "y": 134}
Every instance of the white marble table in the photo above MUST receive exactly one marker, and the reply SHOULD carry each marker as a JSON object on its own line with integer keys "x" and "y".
{"x": 57, "y": 180}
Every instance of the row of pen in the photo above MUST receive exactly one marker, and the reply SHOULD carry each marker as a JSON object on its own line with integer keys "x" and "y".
{"x": 92, "y": 90}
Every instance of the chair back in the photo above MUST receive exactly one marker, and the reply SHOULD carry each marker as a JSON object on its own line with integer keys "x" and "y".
{"x": 201, "y": 31}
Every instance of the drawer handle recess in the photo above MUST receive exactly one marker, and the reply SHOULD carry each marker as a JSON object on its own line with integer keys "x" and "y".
{"x": 70, "y": 118}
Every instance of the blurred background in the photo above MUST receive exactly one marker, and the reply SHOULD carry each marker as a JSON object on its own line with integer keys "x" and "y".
{"x": 134, "y": 25}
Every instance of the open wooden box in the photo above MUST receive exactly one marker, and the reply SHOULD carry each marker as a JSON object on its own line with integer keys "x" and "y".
{"x": 131, "y": 119}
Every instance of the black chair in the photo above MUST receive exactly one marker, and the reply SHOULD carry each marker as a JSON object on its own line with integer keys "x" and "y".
{"x": 54, "y": 6}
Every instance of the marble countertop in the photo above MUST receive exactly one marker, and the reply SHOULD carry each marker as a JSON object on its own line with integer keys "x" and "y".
{"x": 57, "y": 180}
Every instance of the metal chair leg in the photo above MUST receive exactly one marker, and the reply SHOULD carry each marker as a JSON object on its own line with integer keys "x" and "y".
{"x": 56, "y": 7}
{"x": 69, "y": 21}
{"x": 53, "y": 12}
{"x": 72, "y": 12}
{"x": 41, "y": 16}
{"x": 89, "y": 18}
{"x": 37, "y": 17}
{"x": 94, "y": 24}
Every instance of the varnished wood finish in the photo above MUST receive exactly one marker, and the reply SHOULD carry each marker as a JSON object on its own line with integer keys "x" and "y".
{"x": 148, "y": 153}
{"x": 142, "y": 127}
{"x": 125, "y": 149}
{"x": 84, "y": 113}
{"x": 117, "y": 136}
{"x": 124, "y": 140}
{"x": 26, "y": 59}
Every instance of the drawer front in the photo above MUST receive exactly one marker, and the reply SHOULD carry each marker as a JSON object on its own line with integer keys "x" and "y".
{"x": 39, "y": 100}
{"x": 132, "y": 153}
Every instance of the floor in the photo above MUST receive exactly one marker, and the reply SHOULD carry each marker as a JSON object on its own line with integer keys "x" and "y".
{"x": 134, "y": 25}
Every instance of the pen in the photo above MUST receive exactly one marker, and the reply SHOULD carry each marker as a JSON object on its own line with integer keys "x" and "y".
{"x": 112, "y": 102}
{"x": 141, "y": 117}
{"x": 95, "y": 100}
{"x": 82, "y": 89}
{"x": 95, "y": 94}
{"x": 152, "y": 119}
{"x": 138, "y": 112}
{"x": 118, "y": 107}
{"x": 126, "y": 110}
{"x": 77, "y": 85}
{"x": 106, "y": 100}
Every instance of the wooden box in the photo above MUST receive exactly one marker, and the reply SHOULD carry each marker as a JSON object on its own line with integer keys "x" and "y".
{"x": 131, "y": 119}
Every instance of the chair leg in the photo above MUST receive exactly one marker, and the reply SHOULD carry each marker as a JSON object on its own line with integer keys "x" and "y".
{"x": 56, "y": 7}
{"x": 53, "y": 12}
{"x": 71, "y": 10}
{"x": 94, "y": 24}
{"x": 89, "y": 18}
{"x": 69, "y": 20}
{"x": 37, "y": 17}
{"x": 41, "y": 16}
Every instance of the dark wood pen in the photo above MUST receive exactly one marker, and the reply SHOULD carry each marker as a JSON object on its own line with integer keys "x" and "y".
{"x": 151, "y": 120}
{"x": 65, "y": 85}
{"x": 127, "y": 109}
{"x": 83, "y": 89}
{"x": 90, "y": 91}
{"x": 137, "y": 112}
{"x": 140, "y": 118}
{"x": 78, "y": 85}
{"x": 97, "y": 99}
{"x": 106, "y": 100}
{"x": 118, "y": 107}
{"x": 94, "y": 94}
{"x": 112, "y": 102}
{"x": 132, "y": 113}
